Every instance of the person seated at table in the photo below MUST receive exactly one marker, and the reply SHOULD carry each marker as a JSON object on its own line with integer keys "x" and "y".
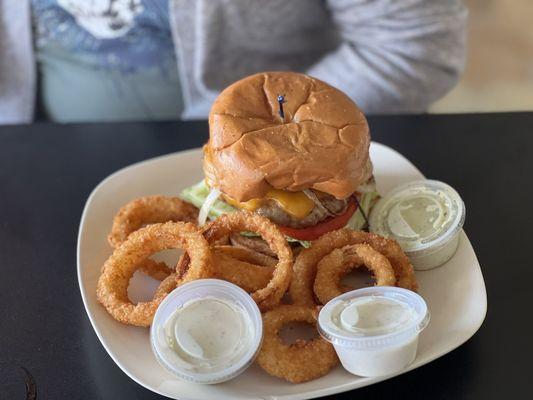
{"x": 102, "y": 60}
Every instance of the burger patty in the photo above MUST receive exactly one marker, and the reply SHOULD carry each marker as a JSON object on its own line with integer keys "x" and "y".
{"x": 330, "y": 206}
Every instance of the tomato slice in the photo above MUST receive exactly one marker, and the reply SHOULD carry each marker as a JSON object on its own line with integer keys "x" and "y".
{"x": 328, "y": 225}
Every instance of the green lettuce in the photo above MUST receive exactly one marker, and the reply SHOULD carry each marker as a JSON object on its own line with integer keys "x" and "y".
{"x": 357, "y": 222}
{"x": 197, "y": 194}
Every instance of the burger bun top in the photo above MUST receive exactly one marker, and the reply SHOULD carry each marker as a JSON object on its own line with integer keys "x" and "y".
{"x": 321, "y": 142}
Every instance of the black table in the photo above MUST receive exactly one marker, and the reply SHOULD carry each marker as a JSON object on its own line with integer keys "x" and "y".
{"x": 47, "y": 171}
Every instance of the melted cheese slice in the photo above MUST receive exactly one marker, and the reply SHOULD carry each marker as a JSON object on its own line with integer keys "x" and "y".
{"x": 296, "y": 204}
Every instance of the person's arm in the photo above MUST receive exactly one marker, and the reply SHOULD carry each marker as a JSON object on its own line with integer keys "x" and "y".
{"x": 395, "y": 56}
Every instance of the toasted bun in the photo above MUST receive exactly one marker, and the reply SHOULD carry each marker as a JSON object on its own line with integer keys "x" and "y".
{"x": 321, "y": 143}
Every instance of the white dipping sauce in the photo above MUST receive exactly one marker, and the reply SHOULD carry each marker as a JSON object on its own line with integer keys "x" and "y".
{"x": 372, "y": 315}
{"x": 208, "y": 334}
{"x": 425, "y": 218}
{"x": 206, "y": 331}
{"x": 374, "y": 330}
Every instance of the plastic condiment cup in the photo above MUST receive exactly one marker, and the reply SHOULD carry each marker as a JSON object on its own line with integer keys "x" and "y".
{"x": 376, "y": 355}
{"x": 199, "y": 289}
{"x": 434, "y": 247}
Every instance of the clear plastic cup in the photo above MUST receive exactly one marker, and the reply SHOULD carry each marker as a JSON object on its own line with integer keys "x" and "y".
{"x": 376, "y": 355}
{"x": 426, "y": 248}
{"x": 199, "y": 289}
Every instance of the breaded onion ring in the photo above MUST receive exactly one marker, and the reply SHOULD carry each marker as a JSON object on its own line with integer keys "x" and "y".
{"x": 246, "y": 255}
{"x": 299, "y": 362}
{"x": 244, "y": 267}
{"x": 305, "y": 265}
{"x": 149, "y": 210}
{"x": 270, "y": 295}
{"x": 167, "y": 285}
{"x": 156, "y": 269}
{"x": 340, "y": 261}
{"x": 112, "y": 287}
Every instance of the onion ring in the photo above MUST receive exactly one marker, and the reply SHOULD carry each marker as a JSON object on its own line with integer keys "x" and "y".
{"x": 149, "y": 210}
{"x": 167, "y": 285}
{"x": 241, "y": 266}
{"x": 156, "y": 269}
{"x": 305, "y": 265}
{"x": 337, "y": 263}
{"x": 270, "y": 295}
{"x": 247, "y": 255}
{"x": 112, "y": 287}
{"x": 302, "y": 361}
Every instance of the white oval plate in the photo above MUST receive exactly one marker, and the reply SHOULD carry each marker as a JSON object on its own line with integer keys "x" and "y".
{"x": 455, "y": 292}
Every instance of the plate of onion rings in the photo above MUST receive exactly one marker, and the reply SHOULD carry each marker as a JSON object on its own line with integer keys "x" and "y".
{"x": 454, "y": 292}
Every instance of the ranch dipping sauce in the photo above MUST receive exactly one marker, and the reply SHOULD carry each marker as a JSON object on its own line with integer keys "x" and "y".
{"x": 374, "y": 330}
{"x": 425, "y": 218}
{"x": 207, "y": 331}
{"x": 371, "y": 315}
{"x": 208, "y": 334}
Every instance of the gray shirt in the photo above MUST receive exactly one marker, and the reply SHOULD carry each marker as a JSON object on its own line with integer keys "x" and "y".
{"x": 389, "y": 56}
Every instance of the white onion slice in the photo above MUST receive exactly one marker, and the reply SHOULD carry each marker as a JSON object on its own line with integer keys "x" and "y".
{"x": 317, "y": 202}
{"x": 213, "y": 196}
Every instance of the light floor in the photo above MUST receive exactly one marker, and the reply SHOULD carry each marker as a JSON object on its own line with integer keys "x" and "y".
{"x": 499, "y": 70}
